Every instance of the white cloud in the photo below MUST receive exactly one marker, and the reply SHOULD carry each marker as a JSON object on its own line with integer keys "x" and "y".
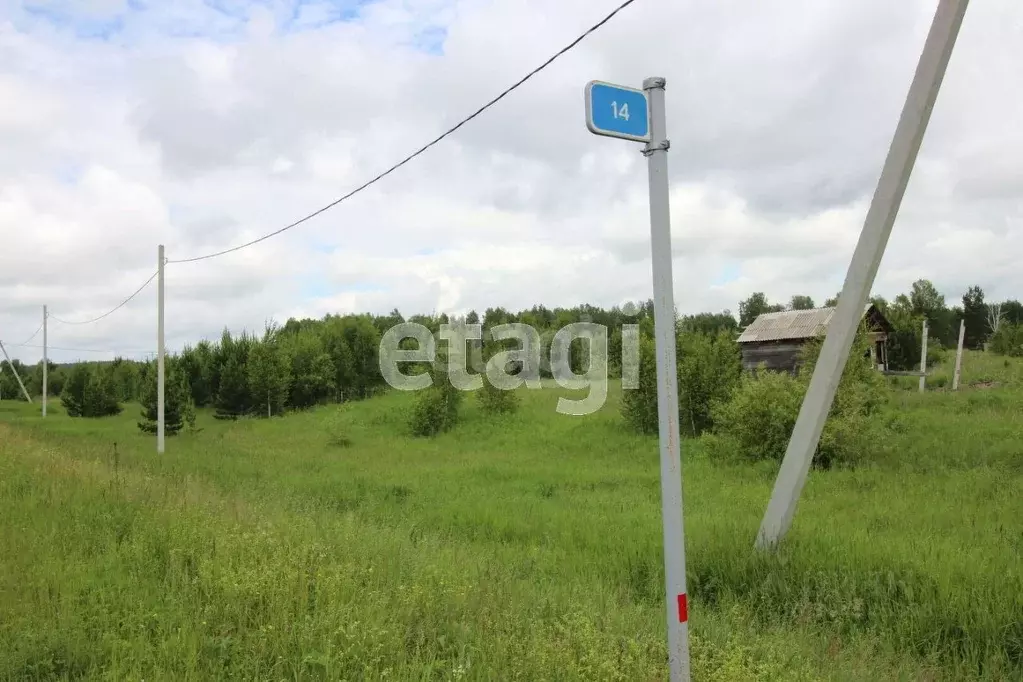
{"x": 203, "y": 125}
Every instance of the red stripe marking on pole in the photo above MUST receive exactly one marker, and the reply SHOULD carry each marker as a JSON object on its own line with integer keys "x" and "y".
{"x": 683, "y": 609}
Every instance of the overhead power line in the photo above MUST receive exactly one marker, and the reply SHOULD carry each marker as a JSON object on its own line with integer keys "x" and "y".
{"x": 134, "y": 351}
{"x": 111, "y": 311}
{"x": 418, "y": 151}
{"x": 25, "y": 342}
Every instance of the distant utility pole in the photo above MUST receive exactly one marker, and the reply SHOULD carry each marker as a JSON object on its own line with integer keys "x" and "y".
{"x": 45, "y": 360}
{"x": 14, "y": 371}
{"x": 959, "y": 355}
{"x": 923, "y": 360}
{"x": 877, "y": 228}
{"x": 159, "y": 351}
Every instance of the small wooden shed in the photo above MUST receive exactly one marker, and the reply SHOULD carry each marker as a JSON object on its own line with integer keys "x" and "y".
{"x": 775, "y": 339}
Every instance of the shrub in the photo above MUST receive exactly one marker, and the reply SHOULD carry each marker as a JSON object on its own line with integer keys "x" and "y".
{"x": 1008, "y": 341}
{"x": 494, "y": 400}
{"x": 436, "y": 407}
{"x": 757, "y": 421}
{"x": 708, "y": 369}
{"x": 639, "y": 405}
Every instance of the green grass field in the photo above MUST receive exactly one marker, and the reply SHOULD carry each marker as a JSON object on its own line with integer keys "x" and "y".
{"x": 329, "y": 545}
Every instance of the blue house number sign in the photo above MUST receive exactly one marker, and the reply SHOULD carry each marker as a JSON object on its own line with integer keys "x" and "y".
{"x": 616, "y": 111}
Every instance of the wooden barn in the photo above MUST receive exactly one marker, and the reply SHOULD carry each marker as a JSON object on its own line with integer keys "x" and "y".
{"x": 775, "y": 339}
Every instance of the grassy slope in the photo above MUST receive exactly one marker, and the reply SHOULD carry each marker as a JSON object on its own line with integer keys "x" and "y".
{"x": 524, "y": 548}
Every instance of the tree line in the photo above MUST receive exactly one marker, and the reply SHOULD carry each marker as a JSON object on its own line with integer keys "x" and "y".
{"x": 308, "y": 362}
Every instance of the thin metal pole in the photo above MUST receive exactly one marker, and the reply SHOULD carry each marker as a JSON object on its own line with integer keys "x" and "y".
{"x": 159, "y": 351}
{"x": 923, "y": 359}
{"x": 667, "y": 386}
{"x": 46, "y": 361}
{"x": 14, "y": 371}
{"x": 959, "y": 355}
{"x": 877, "y": 228}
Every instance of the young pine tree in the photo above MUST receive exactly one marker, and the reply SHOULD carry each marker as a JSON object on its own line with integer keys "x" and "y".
{"x": 72, "y": 396}
{"x": 100, "y": 398}
{"x": 233, "y": 395}
{"x": 178, "y": 409}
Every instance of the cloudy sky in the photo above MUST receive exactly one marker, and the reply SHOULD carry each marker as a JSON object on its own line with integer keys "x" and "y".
{"x": 201, "y": 124}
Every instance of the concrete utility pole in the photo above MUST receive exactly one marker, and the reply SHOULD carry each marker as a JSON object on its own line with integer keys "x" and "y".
{"x": 859, "y": 279}
{"x": 959, "y": 355}
{"x": 45, "y": 360}
{"x": 159, "y": 352}
{"x": 14, "y": 371}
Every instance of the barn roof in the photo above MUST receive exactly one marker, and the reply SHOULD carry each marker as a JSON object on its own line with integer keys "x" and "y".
{"x": 789, "y": 324}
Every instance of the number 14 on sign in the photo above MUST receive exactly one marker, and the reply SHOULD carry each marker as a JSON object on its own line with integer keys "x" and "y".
{"x": 617, "y": 111}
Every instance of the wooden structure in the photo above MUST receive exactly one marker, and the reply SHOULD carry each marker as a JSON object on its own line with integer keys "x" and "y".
{"x": 775, "y": 339}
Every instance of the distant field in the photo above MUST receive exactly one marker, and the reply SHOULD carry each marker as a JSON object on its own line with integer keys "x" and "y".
{"x": 523, "y": 548}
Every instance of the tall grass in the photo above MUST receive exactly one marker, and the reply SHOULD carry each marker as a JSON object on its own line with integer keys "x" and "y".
{"x": 525, "y": 546}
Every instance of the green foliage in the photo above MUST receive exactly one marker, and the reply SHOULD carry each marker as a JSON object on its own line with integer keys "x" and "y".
{"x": 757, "y": 421}
{"x": 754, "y": 306}
{"x": 178, "y": 408}
{"x": 312, "y": 371}
{"x": 436, "y": 408}
{"x": 708, "y": 368}
{"x": 73, "y": 395}
{"x": 198, "y": 364}
{"x": 90, "y": 392}
{"x": 1009, "y": 340}
{"x": 709, "y": 323}
{"x": 494, "y": 400}
{"x": 100, "y": 398}
{"x": 975, "y": 316}
{"x": 233, "y": 398}
{"x": 801, "y": 302}
{"x": 269, "y": 375}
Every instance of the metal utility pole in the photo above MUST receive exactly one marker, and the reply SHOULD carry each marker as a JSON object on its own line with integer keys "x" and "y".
{"x": 159, "y": 351}
{"x": 639, "y": 115}
{"x": 877, "y": 228}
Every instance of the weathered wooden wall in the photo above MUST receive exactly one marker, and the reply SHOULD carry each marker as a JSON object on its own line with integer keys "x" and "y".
{"x": 775, "y": 355}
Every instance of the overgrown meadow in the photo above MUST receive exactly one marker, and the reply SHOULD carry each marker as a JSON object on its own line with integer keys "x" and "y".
{"x": 515, "y": 544}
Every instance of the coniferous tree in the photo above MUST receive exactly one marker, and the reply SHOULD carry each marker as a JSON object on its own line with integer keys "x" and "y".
{"x": 232, "y": 397}
{"x": 72, "y": 397}
{"x": 100, "y": 398}
{"x": 178, "y": 409}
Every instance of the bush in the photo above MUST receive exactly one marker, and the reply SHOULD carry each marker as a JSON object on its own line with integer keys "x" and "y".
{"x": 759, "y": 417}
{"x": 709, "y": 368}
{"x": 494, "y": 400}
{"x": 757, "y": 421}
{"x": 436, "y": 407}
{"x": 1008, "y": 341}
